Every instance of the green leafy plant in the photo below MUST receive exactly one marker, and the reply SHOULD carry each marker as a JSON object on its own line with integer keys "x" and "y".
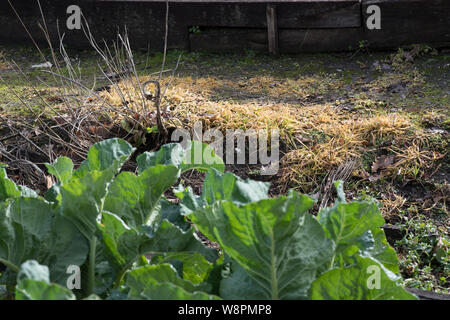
{"x": 130, "y": 242}
{"x": 424, "y": 251}
{"x": 195, "y": 30}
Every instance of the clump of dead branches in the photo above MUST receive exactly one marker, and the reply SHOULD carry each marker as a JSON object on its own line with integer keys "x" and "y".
{"x": 78, "y": 111}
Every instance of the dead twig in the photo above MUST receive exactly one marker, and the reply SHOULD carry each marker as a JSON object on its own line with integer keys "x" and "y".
{"x": 342, "y": 173}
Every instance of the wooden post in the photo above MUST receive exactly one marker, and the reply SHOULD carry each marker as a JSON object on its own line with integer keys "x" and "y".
{"x": 272, "y": 29}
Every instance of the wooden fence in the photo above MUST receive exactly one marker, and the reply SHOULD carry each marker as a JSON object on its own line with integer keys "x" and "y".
{"x": 286, "y": 26}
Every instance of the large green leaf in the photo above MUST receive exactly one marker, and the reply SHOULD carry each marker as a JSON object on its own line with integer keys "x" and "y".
{"x": 105, "y": 155}
{"x": 190, "y": 266}
{"x": 220, "y": 187}
{"x": 223, "y": 186}
{"x": 125, "y": 244}
{"x": 112, "y": 228}
{"x": 31, "y": 228}
{"x": 39, "y": 290}
{"x": 173, "y": 213}
{"x": 380, "y": 249}
{"x": 34, "y": 284}
{"x": 161, "y": 282}
{"x": 278, "y": 243}
{"x": 198, "y": 156}
{"x": 9, "y": 190}
{"x": 168, "y": 154}
{"x": 25, "y": 225}
{"x": 356, "y": 227}
{"x": 82, "y": 197}
{"x": 346, "y": 223}
{"x": 201, "y": 157}
{"x": 239, "y": 285}
{"x": 68, "y": 247}
{"x": 135, "y": 198}
{"x": 62, "y": 169}
{"x": 170, "y": 238}
{"x": 364, "y": 280}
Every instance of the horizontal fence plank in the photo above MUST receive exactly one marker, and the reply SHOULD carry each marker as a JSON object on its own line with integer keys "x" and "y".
{"x": 319, "y": 40}
{"x": 230, "y": 40}
{"x": 290, "y": 15}
{"x": 225, "y": 1}
{"x": 332, "y": 14}
{"x": 408, "y": 21}
{"x": 289, "y": 40}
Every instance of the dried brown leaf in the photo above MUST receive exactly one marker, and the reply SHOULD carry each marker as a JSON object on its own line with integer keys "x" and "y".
{"x": 50, "y": 182}
{"x": 382, "y": 162}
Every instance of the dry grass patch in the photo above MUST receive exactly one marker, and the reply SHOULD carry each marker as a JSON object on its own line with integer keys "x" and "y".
{"x": 316, "y": 138}
{"x": 352, "y": 136}
{"x": 188, "y": 101}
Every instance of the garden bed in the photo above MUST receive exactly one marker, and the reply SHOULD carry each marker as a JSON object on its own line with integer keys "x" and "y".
{"x": 388, "y": 111}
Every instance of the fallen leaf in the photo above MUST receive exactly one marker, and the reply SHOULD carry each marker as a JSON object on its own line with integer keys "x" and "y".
{"x": 215, "y": 117}
{"x": 62, "y": 119}
{"x": 37, "y": 131}
{"x": 375, "y": 177}
{"x": 99, "y": 131}
{"x": 363, "y": 173}
{"x": 50, "y": 182}
{"x": 302, "y": 139}
{"x": 382, "y": 162}
{"x": 55, "y": 99}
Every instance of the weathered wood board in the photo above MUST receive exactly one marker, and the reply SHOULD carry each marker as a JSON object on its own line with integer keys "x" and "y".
{"x": 272, "y": 30}
{"x": 330, "y": 14}
{"x": 230, "y": 40}
{"x": 324, "y": 14}
{"x": 409, "y": 21}
{"x": 12, "y": 30}
{"x": 290, "y": 40}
